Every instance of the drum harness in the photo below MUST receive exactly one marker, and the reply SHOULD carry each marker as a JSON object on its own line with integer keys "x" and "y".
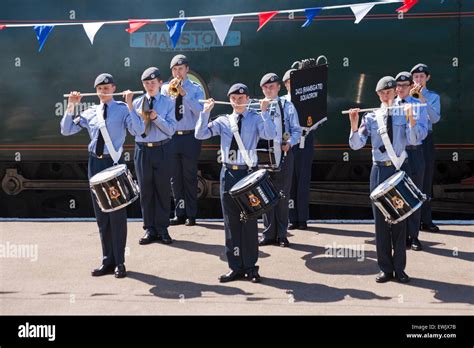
{"x": 382, "y": 131}
{"x": 108, "y": 142}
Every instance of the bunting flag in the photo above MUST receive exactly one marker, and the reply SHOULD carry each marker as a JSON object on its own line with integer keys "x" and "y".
{"x": 264, "y": 18}
{"x": 134, "y": 25}
{"x": 91, "y": 29}
{"x": 175, "y": 28}
{"x": 360, "y": 11}
{"x": 42, "y": 33}
{"x": 221, "y": 26}
{"x": 407, "y": 5}
{"x": 310, "y": 14}
{"x": 2, "y": 27}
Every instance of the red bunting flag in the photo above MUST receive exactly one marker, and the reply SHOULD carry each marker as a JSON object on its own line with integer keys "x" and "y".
{"x": 407, "y": 5}
{"x": 135, "y": 25}
{"x": 2, "y": 26}
{"x": 265, "y": 17}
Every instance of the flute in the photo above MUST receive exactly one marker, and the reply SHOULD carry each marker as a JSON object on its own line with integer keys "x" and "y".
{"x": 105, "y": 95}
{"x": 228, "y": 103}
{"x": 386, "y": 108}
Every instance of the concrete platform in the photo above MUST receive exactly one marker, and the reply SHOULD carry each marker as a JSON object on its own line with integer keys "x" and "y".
{"x": 329, "y": 269}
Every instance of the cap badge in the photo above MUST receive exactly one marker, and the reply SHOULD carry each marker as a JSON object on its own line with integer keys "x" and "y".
{"x": 106, "y": 80}
{"x": 152, "y": 76}
{"x": 241, "y": 90}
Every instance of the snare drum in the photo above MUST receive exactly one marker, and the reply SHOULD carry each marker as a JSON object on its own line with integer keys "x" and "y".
{"x": 255, "y": 195}
{"x": 114, "y": 188}
{"x": 397, "y": 197}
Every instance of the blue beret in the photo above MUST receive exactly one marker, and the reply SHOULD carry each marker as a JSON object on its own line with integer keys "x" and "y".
{"x": 386, "y": 82}
{"x": 420, "y": 68}
{"x": 404, "y": 76}
{"x": 269, "y": 78}
{"x": 287, "y": 75}
{"x": 179, "y": 59}
{"x": 103, "y": 79}
{"x": 238, "y": 88}
{"x": 151, "y": 73}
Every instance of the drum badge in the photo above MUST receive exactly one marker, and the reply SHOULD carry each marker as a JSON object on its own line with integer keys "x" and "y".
{"x": 397, "y": 202}
{"x": 113, "y": 192}
{"x": 254, "y": 201}
{"x": 309, "y": 121}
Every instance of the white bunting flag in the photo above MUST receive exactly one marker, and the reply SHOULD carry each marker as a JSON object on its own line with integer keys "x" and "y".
{"x": 360, "y": 11}
{"x": 91, "y": 29}
{"x": 221, "y": 26}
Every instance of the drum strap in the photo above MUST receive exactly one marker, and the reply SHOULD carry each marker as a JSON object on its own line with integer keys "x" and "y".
{"x": 108, "y": 142}
{"x": 397, "y": 161}
{"x": 235, "y": 130}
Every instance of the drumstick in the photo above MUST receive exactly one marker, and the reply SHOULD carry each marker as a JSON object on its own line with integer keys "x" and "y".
{"x": 105, "y": 95}
{"x": 389, "y": 107}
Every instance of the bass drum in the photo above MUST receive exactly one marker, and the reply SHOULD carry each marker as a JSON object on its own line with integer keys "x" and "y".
{"x": 114, "y": 188}
{"x": 397, "y": 197}
{"x": 255, "y": 195}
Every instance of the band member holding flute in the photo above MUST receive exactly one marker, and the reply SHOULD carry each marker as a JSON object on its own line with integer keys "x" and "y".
{"x": 118, "y": 118}
{"x": 288, "y": 134}
{"x": 401, "y": 130}
{"x": 416, "y": 159}
{"x": 421, "y": 76}
{"x": 241, "y": 238}
{"x": 153, "y": 153}
{"x": 186, "y": 148}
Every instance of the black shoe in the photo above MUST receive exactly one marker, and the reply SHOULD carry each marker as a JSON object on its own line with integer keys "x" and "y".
{"x": 266, "y": 241}
{"x": 293, "y": 226}
{"x": 190, "y": 222}
{"x": 303, "y": 226}
{"x": 102, "y": 270}
{"x": 383, "y": 277}
{"x": 230, "y": 276}
{"x": 409, "y": 241}
{"x": 120, "y": 271}
{"x": 148, "y": 238}
{"x": 177, "y": 221}
{"x": 283, "y": 242}
{"x": 429, "y": 228}
{"x": 165, "y": 239}
{"x": 416, "y": 245}
{"x": 254, "y": 277}
{"x": 402, "y": 277}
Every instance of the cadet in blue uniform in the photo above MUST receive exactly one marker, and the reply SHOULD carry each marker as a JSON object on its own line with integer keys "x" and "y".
{"x": 186, "y": 148}
{"x": 421, "y": 76}
{"x": 303, "y": 160}
{"x": 288, "y": 135}
{"x": 152, "y": 157}
{"x": 416, "y": 159}
{"x": 401, "y": 132}
{"x": 112, "y": 226}
{"x": 241, "y": 238}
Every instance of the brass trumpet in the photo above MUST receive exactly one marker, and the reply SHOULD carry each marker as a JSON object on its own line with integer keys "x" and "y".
{"x": 173, "y": 87}
{"x": 415, "y": 92}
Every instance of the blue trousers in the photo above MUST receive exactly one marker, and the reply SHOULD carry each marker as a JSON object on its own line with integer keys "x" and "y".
{"x": 417, "y": 172}
{"x": 153, "y": 168}
{"x": 112, "y": 226}
{"x": 241, "y": 238}
{"x": 390, "y": 239}
{"x": 299, "y": 194}
{"x": 186, "y": 150}
{"x": 276, "y": 220}
{"x": 429, "y": 155}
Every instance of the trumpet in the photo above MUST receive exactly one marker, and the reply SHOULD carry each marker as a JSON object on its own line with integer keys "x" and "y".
{"x": 173, "y": 87}
{"x": 415, "y": 92}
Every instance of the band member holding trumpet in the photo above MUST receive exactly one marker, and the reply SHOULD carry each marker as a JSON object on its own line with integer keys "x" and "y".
{"x": 421, "y": 76}
{"x": 186, "y": 148}
{"x": 288, "y": 134}
{"x": 241, "y": 238}
{"x": 415, "y": 152}
{"x": 153, "y": 156}
{"x": 401, "y": 130}
{"x": 118, "y": 118}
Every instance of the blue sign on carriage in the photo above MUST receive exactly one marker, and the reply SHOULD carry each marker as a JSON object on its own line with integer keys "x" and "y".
{"x": 189, "y": 40}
